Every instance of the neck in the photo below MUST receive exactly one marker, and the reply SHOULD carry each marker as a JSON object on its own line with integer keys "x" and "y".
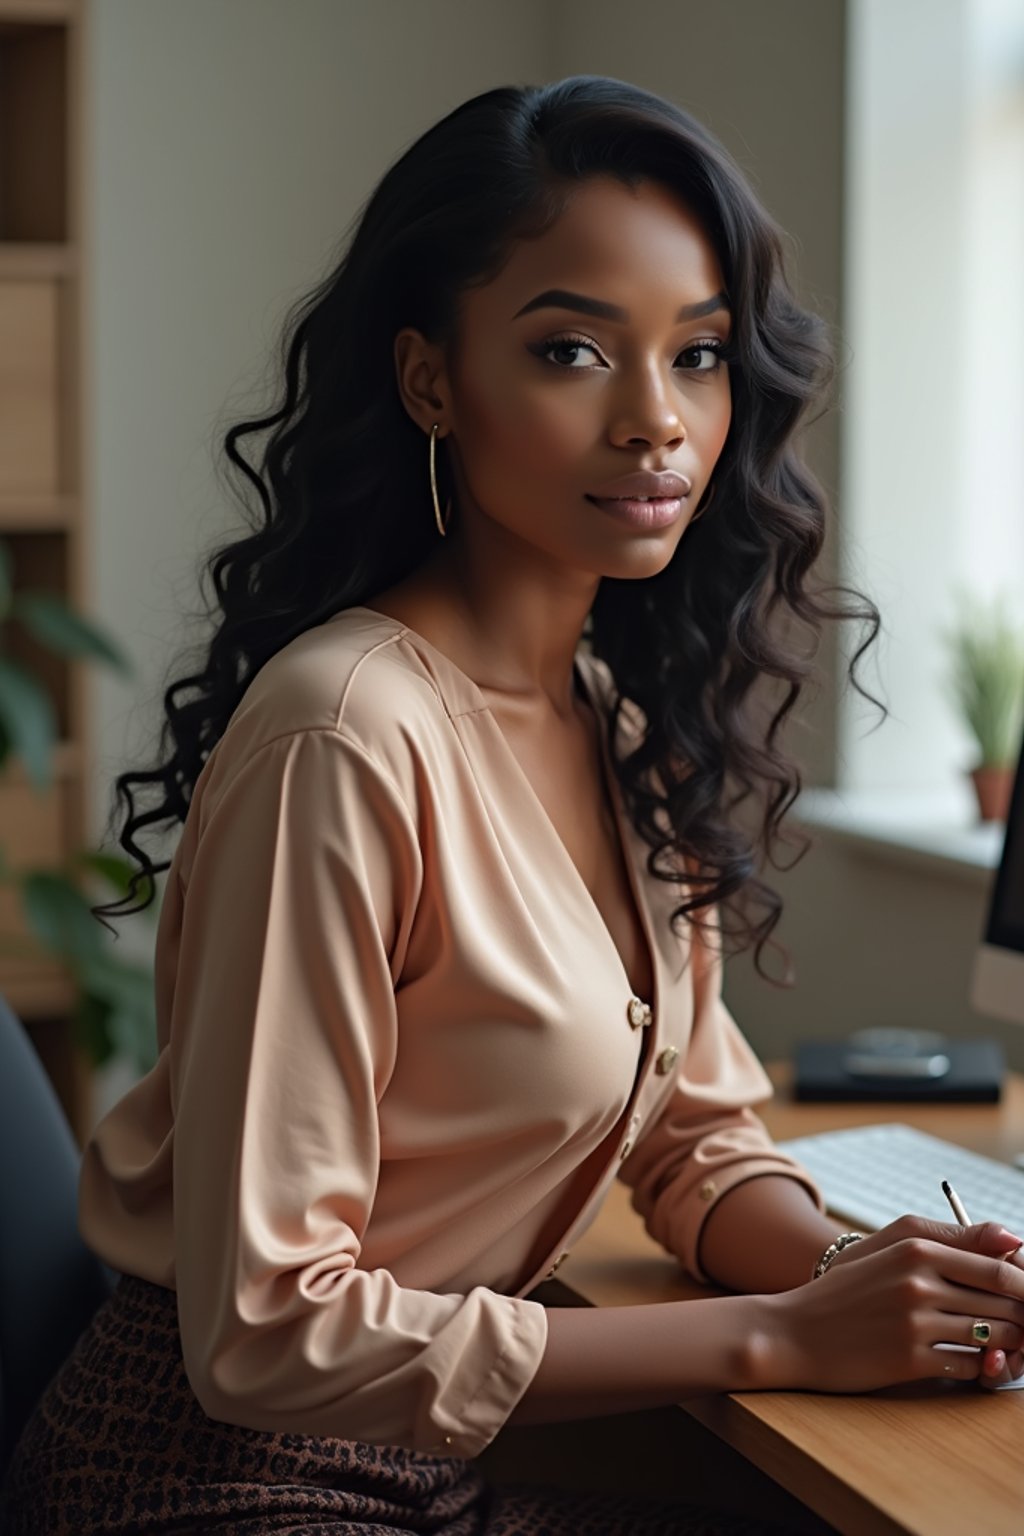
{"x": 517, "y": 621}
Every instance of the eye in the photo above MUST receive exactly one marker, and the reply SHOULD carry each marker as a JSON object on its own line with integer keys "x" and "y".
{"x": 711, "y": 349}
{"x": 567, "y": 343}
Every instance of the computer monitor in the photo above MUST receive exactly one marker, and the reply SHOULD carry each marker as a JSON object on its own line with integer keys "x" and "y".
{"x": 997, "y": 985}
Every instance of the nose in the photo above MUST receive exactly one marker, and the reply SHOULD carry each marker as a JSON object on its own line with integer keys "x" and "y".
{"x": 649, "y": 413}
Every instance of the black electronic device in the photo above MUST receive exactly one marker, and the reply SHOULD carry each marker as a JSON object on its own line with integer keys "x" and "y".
{"x": 880, "y": 1065}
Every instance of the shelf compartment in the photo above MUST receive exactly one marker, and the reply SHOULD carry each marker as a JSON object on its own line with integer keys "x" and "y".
{"x": 43, "y": 991}
{"x": 37, "y": 11}
{"x": 33, "y": 129}
{"x": 31, "y": 260}
{"x": 30, "y": 389}
{"x": 37, "y": 514}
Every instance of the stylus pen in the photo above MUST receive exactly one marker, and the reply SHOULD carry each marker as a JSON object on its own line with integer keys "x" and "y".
{"x": 965, "y": 1221}
{"x": 957, "y": 1204}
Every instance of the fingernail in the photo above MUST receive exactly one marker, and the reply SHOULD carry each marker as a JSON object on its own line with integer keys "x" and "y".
{"x": 1009, "y": 1239}
{"x": 994, "y": 1362}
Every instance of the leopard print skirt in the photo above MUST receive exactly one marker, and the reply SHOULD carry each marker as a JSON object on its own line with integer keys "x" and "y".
{"x": 118, "y": 1445}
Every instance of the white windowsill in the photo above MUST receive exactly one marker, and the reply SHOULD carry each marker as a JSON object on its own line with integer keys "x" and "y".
{"x": 937, "y": 831}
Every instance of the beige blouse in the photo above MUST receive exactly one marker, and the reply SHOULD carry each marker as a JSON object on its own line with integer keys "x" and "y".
{"x": 397, "y": 1069}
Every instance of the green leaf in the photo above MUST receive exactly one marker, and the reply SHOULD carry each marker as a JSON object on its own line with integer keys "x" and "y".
{"x": 987, "y": 675}
{"x": 91, "y": 1028}
{"x": 128, "y": 991}
{"x": 58, "y": 914}
{"x": 61, "y": 629}
{"x": 110, "y": 867}
{"x": 134, "y": 1035}
{"x": 29, "y": 721}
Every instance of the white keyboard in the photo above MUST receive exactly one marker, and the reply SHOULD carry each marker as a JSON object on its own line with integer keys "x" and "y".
{"x": 871, "y": 1174}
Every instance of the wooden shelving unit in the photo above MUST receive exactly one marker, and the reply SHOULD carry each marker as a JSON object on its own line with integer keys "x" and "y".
{"x": 42, "y": 516}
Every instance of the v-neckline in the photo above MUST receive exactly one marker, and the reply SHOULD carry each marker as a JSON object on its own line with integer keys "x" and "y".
{"x": 611, "y": 788}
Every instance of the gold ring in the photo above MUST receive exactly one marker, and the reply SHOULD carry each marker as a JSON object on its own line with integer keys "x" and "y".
{"x": 981, "y": 1332}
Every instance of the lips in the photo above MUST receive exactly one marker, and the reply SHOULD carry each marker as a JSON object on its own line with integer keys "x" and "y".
{"x": 644, "y": 485}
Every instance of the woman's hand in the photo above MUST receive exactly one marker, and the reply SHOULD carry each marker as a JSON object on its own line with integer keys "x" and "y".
{"x": 873, "y": 1319}
{"x": 982, "y": 1237}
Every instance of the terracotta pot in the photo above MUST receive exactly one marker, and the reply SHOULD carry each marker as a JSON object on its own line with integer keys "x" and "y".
{"x": 993, "y": 787}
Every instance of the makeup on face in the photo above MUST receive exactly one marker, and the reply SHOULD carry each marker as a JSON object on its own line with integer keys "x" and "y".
{"x": 598, "y": 357}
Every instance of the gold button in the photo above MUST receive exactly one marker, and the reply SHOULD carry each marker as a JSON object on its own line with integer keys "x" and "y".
{"x": 559, "y": 1261}
{"x": 448, "y": 1440}
{"x": 708, "y": 1189}
{"x": 666, "y": 1061}
{"x": 638, "y": 1012}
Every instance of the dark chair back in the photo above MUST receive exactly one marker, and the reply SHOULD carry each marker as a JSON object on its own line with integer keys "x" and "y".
{"x": 50, "y": 1282}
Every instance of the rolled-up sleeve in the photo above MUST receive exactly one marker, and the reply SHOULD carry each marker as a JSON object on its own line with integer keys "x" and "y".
{"x": 293, "y": 921}
{"x": 705, "y": 1138}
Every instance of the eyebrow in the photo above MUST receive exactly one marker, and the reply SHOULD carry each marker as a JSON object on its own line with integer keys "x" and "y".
{"x": 561, "y": 298}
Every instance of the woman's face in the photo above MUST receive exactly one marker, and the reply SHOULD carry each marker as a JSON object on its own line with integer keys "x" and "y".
{"x": 551, "y": 402}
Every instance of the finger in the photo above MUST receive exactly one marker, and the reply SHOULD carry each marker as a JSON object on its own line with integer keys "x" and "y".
{"x": 954, "y": 1364}
{"x": 989, "y": 1237}
{"x": 993, "y": 1370}
{"x": 957, "y": 1330}
{"x": 988, "y": 1368}
{"x": 963, "y": 1301}
{"x": 981, "y": 1272}
{"x": 999, "y": 1368}
{"x": 1002, "y": 1337}
{"x": 980, "y": 1237}
{"x": 991, "y": 1376}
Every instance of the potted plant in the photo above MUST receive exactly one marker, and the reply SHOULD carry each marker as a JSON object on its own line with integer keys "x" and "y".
{"x": 115, "y": 1013}
{"x": 987, "y": 677}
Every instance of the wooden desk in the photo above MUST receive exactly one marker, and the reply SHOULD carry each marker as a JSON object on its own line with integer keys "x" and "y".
{"x": 935, "y": 1458}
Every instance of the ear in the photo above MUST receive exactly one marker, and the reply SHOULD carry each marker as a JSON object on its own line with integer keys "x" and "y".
{"x": 422, "y": 381}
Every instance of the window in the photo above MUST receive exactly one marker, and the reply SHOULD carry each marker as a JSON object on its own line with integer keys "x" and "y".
{"x": 932, "y": 395}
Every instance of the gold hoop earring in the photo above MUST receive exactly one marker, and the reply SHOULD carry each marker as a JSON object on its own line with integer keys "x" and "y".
{"x": 441, "y": 526}
{"x": 701, "y": 510}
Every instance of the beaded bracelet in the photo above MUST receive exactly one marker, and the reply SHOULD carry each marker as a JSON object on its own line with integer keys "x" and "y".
{"x": 835, "y": 1248}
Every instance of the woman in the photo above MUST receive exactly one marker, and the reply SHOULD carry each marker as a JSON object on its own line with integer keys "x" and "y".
{"x": 429, "y": 971}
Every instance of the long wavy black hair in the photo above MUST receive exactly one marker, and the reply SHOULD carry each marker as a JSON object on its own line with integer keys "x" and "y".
{"x": 338, "y": 506}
